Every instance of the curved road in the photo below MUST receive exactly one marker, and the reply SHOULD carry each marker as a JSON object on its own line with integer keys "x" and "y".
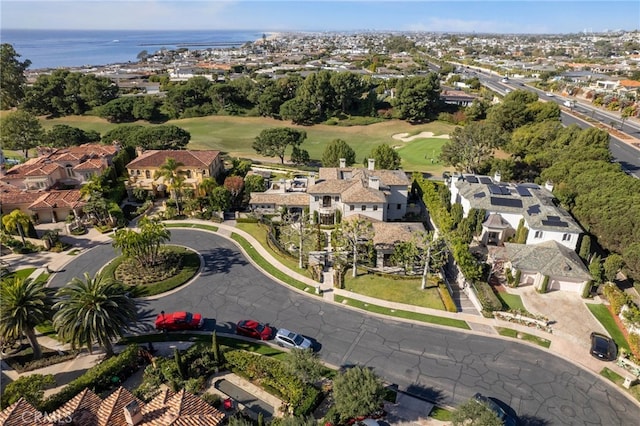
{"x": 442, "y": 364}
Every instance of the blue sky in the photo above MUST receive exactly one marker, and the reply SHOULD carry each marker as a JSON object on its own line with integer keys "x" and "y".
{"x": 514, "y": 16}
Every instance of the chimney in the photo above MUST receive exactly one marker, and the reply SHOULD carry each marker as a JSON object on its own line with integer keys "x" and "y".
{"x": 311, "y": 180}
{"x": 548, "y": 186}
{"x": 372, "y": 164}
{"x": 374, "y": 182}
{"x": 139, "y": 151}
{"x": 497, "y": 176}
{"x": 132, "y": 413}
{"x": 343, "y": 163}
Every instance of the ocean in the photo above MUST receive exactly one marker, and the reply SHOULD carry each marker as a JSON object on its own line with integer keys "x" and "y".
{"x": 75, "y": 48}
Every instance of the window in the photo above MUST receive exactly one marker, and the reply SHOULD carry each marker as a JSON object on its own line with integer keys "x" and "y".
{"x": 317, "y": 198}
{"x": 69, "y": 169}
{"x": 538, "y": 234}
{"x": 337, "y": 198}
{"x": 363, "y": 208}
{"x": 137, "y": 172}
{"x": 147, "y": 174}
{"x": 188, "y": 173}
{"x": 326, "y": 201}
{"x": 399, "y": 206}
{"x": 566, "y": 237}
{"x": 375, "y": 208}
{"x": 352, "y": 207}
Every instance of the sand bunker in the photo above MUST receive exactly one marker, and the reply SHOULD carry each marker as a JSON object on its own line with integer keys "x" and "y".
{"x": 404, "y": 137}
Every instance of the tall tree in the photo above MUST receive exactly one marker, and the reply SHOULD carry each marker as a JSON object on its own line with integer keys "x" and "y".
{"x": 24, "y": 303}
{"x": 348, "y": 87}
{"x": 273, "y": 142}
{"x": 469, "y": 146}
{"x": 21, "y": 131}
{"x": 417, "y": 97}
{"x": 170, "y": 172}
{"x": 353, "y": 234}
{"x": 12, "y": 77}
{"x": 91, "y": 310}
{"x": 357, "y": 392}
{"x": 334, "y": 151}
{"x": 473, "y": 413}
{"x": 18, "y": 221}
{"x": 386, "y": 157}
{"x": 143, "y": 246}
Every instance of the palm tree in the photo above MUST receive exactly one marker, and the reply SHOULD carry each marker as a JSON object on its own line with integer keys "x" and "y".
{"x": 24, "y": 303}
{"x": 92, "y": 310}
{"x": 169, "y": 170}
{"x": 207, "y": 186}
{"x": 16, "y": 220}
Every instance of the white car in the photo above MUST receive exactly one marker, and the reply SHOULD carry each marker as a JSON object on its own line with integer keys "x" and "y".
{"x": 291, "y": 340}
{"x": 549, "y": 94}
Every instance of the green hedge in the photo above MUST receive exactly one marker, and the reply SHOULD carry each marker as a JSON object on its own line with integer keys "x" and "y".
{"x": 98, "y": 378}
{"x": 487, "y": 297}
{"x": 449, "y": 303}
{"x": 586, "y": 291}
{"x": 545, "y": 284}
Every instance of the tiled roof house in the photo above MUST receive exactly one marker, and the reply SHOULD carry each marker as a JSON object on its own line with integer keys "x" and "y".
{"x": 43, "y": 206}
{"x": 120, "y": 408}
{"x": 196, "y": 165}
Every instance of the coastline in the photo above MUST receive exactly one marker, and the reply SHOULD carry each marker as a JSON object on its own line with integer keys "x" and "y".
{"x": 270, "y": 37}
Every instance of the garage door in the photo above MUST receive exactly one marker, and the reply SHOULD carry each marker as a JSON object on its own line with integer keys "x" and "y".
{"x": 565, "y": 285}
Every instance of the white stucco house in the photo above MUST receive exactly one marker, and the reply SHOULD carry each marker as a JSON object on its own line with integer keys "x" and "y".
{"x": 506, "y": 204}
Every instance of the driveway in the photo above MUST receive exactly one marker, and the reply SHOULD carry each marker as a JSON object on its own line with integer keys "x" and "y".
{"x": 440, "y": 364}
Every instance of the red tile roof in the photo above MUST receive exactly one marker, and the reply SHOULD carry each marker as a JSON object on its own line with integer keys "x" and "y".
{"x": 155, "y": 158}
{"x": 70, "y": 198}
{"x": 19, "y": 413}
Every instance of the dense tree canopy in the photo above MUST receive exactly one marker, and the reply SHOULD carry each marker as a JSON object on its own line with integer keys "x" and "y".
{"x": 21, "y": 131}
{"x": 469, "y": 146}
{"x": 335, "y": 150}
{"x": 12, "y": 77}
{"x": 386, "y": 157}
{"x": 357, "y": 392}
{"x": 417, "y": 98}
{"x": 62, "y": 135}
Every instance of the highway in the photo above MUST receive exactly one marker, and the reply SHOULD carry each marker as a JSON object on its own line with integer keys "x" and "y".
{"x": 441, "y": 364}
{"x": 623, "y": 153}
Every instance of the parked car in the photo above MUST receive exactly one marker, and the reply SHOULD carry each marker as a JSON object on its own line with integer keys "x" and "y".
{"x": 178, "y": 321}
{"x": 254, "y": 329}
{"x": 291, "y": 340}
{"x": 603, "y": 347}
{"x": 507, "y": 419}
{"x": 549, "y": 94}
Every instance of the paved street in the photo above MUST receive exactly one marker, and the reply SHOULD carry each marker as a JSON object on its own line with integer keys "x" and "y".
{"x": 442, "y": 364}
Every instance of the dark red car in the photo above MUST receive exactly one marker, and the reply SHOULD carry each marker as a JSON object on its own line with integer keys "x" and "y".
{"x": 254, "y": 329}
{"x": 178, "y": 321}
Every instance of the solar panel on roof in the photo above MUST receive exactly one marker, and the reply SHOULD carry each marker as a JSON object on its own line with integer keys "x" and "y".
{"x": 534, "y": 209}
{"x": 506, "y": 202}
{"x": 471, "y": 179}
{"x": 505, "y": 190}
{"x": 553, "y": 218}
{"x": 486, "y": 180}
{"x": 530, "y": 185}
{"x": 494, "y": 189}
{"x": 557, "y": 223}
{"x": 479, "y": 195}
{"x": 523, "y": 191}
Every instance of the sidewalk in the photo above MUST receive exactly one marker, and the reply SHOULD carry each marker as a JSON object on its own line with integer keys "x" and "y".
{"x": 564, "y": 342}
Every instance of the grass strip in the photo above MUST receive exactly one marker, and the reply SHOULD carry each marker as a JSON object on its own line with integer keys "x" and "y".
{"x": 603, "y": 315}
{"x": 268, "y": 267}
{"x": 442, "y": 414}
{"x": 192, "y": 225}
{"x": 509, "y": 332}
{"x": 431, "y": 319}
{"x": 511, "y": 301}
{"x": 618, "y": 380}
{"x": 20, "y": 273}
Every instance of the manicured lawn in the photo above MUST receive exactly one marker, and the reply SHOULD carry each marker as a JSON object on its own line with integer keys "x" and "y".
{"x": 401, "y": 291}
{"x": 618, "y": 380}
{"x": 418, "y": 155}
{"x": 259, "y": 232}
{"x": 20, "y": 273}
{"x": 235, "y": 135}
{"x": 268, "y": 267}
{"x": 512, "y": 301}
{"x": 441, "y": 414}
{"x": 431, "y": 319}
{"x": 602, "y": 314}
{"x": 509, "y": 332}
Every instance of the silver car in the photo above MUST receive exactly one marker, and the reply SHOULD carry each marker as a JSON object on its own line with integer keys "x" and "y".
{"x": 291, "y": 340}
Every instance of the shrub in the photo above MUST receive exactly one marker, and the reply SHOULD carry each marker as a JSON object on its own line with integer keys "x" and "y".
{"x": 544, "y": 285}
{"x": 447, "y": 300}
{"x": 516, "y": 279}
{"x": 29, "y": 387}
{"x": 487, "y": 297}
{"x": 616, "y": 297}
{"x": 586, "y": 291}
{"x": 634, "y": 344}
{"x": 98, "y": 378}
